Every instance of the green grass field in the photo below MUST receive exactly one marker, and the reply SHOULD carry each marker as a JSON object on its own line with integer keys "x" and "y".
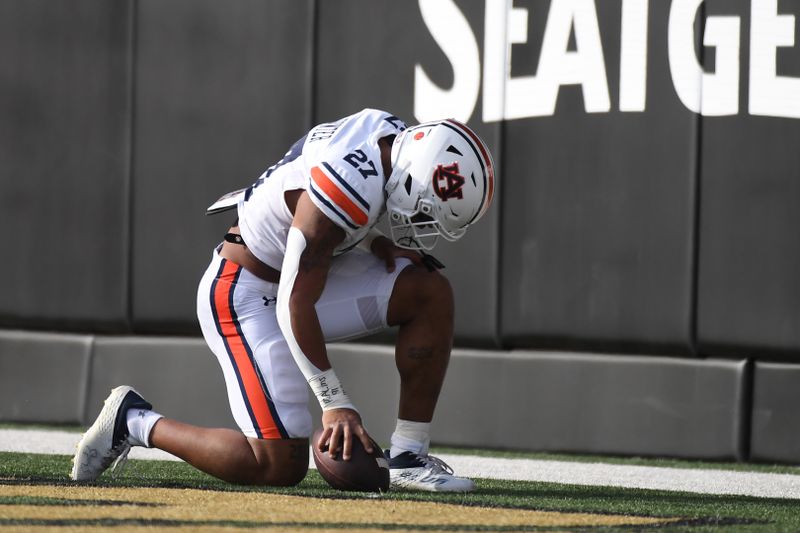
{"x": 679, "y": 511}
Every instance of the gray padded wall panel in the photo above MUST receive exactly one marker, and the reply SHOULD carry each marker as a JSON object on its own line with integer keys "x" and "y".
{"x": 374, "y": 67}
{"x": 221, "y": 93}
{"x": 593, "y": 403}
{"x": 180, "y": 377}
{"x": 563, "y": 402}
{"x": 775, "y": 422}
{"x": 749, "y": 269}
{"x": 598, "y": 208}
{"x": 65, "y": 108}
{"x": 43, "y": 376}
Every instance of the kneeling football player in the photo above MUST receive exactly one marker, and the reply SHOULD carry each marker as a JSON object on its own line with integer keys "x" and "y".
{"x": 302, "y": 266}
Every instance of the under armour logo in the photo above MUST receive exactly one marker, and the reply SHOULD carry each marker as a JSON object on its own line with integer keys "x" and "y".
{"x": 141, "y": 414}
{"x": 447, "y": 182}
{"x": 267, "y": 301}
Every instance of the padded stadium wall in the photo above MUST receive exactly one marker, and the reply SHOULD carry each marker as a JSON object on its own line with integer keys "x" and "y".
{"x": 635, "y": 288}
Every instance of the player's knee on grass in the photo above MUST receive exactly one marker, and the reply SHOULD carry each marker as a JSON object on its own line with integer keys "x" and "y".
{"x": 282, "y": 463}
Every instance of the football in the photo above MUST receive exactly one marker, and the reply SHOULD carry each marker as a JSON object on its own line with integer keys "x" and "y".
{"x": 364, "y": 472}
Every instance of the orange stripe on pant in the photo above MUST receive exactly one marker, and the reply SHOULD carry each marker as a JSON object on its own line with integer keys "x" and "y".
{"x": 253, "y": 391}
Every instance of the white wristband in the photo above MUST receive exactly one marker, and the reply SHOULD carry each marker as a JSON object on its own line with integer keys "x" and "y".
{"x": 329, "y": 391}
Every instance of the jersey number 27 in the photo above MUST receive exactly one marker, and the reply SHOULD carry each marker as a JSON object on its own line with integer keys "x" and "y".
{"x": 362, "y": 163}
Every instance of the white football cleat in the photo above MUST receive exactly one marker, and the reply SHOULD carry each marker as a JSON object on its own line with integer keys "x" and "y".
{"x": 425, "y": 472}
{"x": 107, "y": 442}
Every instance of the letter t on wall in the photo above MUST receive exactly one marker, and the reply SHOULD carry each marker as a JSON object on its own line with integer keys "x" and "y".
{"x": 633, "y": 56}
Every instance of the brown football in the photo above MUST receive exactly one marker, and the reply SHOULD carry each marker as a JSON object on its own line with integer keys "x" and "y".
{"x": 364, "y": 472}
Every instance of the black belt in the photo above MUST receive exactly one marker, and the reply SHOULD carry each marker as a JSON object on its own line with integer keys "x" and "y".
{"x": 430, "y": 262}
{"x": 234, "y": 238}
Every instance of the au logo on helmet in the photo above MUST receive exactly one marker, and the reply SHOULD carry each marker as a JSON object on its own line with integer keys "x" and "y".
{"x": 447, "y": 182}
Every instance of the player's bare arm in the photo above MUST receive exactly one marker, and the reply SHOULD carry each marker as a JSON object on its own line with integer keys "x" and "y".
{"x": 310, "y": 247}
{"x": 321, "y": 238}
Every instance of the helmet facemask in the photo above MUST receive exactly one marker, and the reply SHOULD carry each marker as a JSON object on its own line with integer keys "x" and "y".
{"x": 418, "y": 229}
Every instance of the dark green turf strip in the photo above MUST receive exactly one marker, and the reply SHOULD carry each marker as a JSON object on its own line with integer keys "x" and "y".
{"x": 347, "y": 526}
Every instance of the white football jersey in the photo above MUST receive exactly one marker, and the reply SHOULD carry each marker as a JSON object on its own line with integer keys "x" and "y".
{"x": 339, "y": 165}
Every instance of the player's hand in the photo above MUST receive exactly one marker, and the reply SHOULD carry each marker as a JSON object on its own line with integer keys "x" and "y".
{"x": 339, "y": 428}
{"x": 383, "y": 248}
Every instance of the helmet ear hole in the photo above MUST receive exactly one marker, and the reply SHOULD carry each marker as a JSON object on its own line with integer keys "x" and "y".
{"x": 408, "y": 183}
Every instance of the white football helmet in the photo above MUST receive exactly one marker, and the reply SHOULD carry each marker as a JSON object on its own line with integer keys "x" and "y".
{"x": 442, "y": 181}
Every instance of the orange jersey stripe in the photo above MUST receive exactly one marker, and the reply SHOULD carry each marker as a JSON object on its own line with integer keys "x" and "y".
{"x": 253, "y": 391}
{"x": 333, "y": 192}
